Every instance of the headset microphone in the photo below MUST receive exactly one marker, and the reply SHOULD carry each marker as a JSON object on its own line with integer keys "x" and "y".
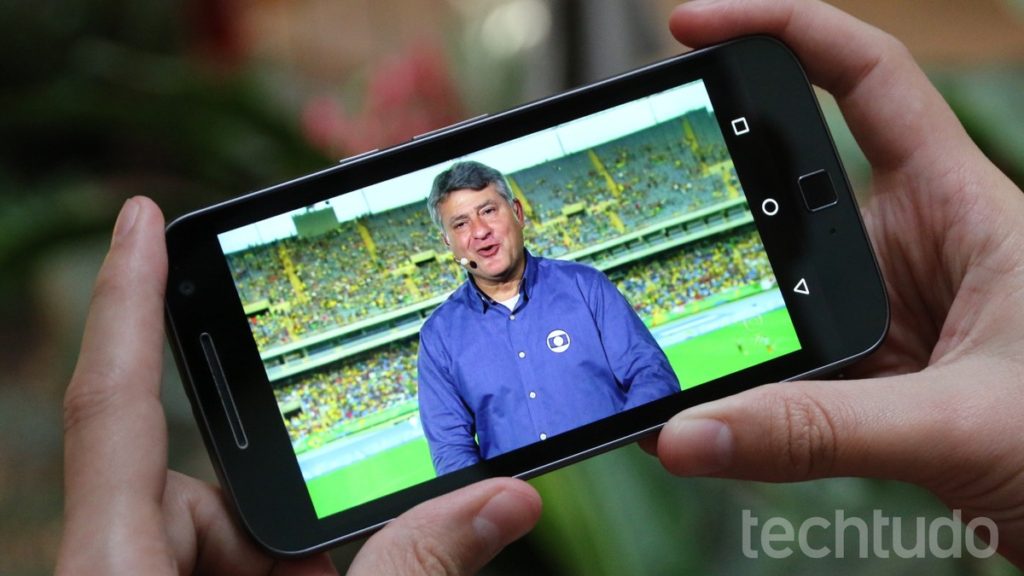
{"x": 467, "y": 263}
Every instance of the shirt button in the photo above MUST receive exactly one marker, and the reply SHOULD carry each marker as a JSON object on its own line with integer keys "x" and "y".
{"x": 522, "y": 354}
{"x": 533, "y": 394}
{"x": 543, "y": 436}
{"x": 512, "y": 317}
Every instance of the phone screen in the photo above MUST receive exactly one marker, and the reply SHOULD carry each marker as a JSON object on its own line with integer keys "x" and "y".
{"x": 643, "y": 267}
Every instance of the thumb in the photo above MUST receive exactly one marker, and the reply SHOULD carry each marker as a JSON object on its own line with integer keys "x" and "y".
{"x": 457, "y": 533}
{"x": 793, "y": 431}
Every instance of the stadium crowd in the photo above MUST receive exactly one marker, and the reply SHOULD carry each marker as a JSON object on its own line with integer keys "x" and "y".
{"x": 320, "y": 402}
{"x": 339, "y": 283}
{"x": 665, "y": 286}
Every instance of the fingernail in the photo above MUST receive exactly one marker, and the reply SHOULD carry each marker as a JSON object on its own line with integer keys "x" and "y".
{"x": 708, "y": 444}
{"x": 700, "y": 3}
{"x": 504, "y": 509}
{"x": 126, "y": 219}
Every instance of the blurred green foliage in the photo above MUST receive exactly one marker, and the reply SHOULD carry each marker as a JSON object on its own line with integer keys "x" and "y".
{"x": 990, "y": 103}
{"x": 101, "y": 101}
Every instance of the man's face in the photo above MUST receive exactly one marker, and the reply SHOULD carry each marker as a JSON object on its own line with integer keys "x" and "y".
{"x": 481, "y": 225}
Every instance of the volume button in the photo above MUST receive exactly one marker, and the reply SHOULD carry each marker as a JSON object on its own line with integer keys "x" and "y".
{"x": 221, "y": 384}
{"x": 450, "y": 127}
{"x": 359, "y": 156}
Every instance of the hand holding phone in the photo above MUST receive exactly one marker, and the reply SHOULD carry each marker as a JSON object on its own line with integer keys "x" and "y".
{"x": 126, "y": 513}
{"x": 938, "y": 404}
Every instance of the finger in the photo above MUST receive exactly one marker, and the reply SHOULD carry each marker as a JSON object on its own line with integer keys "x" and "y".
{"x": 206, "y": 540}
{"x": 892, "y": 109}
{"x": 115, "y": 437}
{"x": 885, "y": 428}
{"x": 649, "y": 444}
{"x": 455, "y": 534}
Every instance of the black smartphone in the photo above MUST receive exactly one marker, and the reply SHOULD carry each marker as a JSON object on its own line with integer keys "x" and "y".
{"x": 517, "y": 292}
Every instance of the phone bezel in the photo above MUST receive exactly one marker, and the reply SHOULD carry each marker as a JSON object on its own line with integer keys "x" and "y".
{"x": 755, "y": 77}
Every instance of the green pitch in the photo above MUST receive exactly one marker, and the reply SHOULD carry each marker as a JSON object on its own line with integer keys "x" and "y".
{"x": 696, "y": 361}
{"x": 733, "y": 348}
{"x": 376, "y": 476}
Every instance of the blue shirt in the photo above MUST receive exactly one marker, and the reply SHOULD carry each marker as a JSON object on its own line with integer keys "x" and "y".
{"x": 571, "y": 352}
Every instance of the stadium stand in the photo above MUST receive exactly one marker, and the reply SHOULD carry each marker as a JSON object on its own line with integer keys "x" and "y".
{"x": 366, "y": 385}
{"x": 362, "y": 268}
{"x": 661, "y": 286}
{"x": 320, "y": 402}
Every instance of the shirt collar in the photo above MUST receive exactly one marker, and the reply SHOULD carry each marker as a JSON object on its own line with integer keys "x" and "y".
{"x": 477, "y": 299}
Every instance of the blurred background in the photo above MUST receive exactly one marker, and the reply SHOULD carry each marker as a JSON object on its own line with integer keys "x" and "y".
{"x": 198, "y": 101}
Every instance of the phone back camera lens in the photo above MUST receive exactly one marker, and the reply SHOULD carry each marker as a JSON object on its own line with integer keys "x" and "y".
{"x": 186, "y": 288}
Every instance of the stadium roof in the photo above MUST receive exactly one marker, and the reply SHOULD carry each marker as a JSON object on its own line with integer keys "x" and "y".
{"x": 512, "y": 156}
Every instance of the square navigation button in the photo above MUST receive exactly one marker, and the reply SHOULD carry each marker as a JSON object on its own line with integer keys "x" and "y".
{"x": 739, "y": 126}
{"x": 817, "y": 190}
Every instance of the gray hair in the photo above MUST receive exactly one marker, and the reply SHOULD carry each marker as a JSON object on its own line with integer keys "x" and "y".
{"x": 461, "y": 176}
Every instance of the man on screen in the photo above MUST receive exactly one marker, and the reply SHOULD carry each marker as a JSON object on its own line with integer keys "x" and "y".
{"x": 527, "y": 347}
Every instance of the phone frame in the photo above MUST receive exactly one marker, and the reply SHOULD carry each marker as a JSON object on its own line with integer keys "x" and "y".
{"x": 845, "y": 316}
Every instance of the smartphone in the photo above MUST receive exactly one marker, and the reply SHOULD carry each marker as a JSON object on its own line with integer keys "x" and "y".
{"x": 518, "y": 291}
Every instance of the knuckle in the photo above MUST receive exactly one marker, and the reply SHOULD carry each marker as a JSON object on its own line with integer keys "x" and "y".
{"x": 887, "y": 60}
{"x": 805, "y": 434}
{"x": 893, "y": 55}
{"x": 89, "y": 394}
{"x": 187, "y": 497}
{"x": 894, "y": 47}
{"x": 431, "y": 558}
{"x": 81, "y": 404}
{"x": 107, "y": 286}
